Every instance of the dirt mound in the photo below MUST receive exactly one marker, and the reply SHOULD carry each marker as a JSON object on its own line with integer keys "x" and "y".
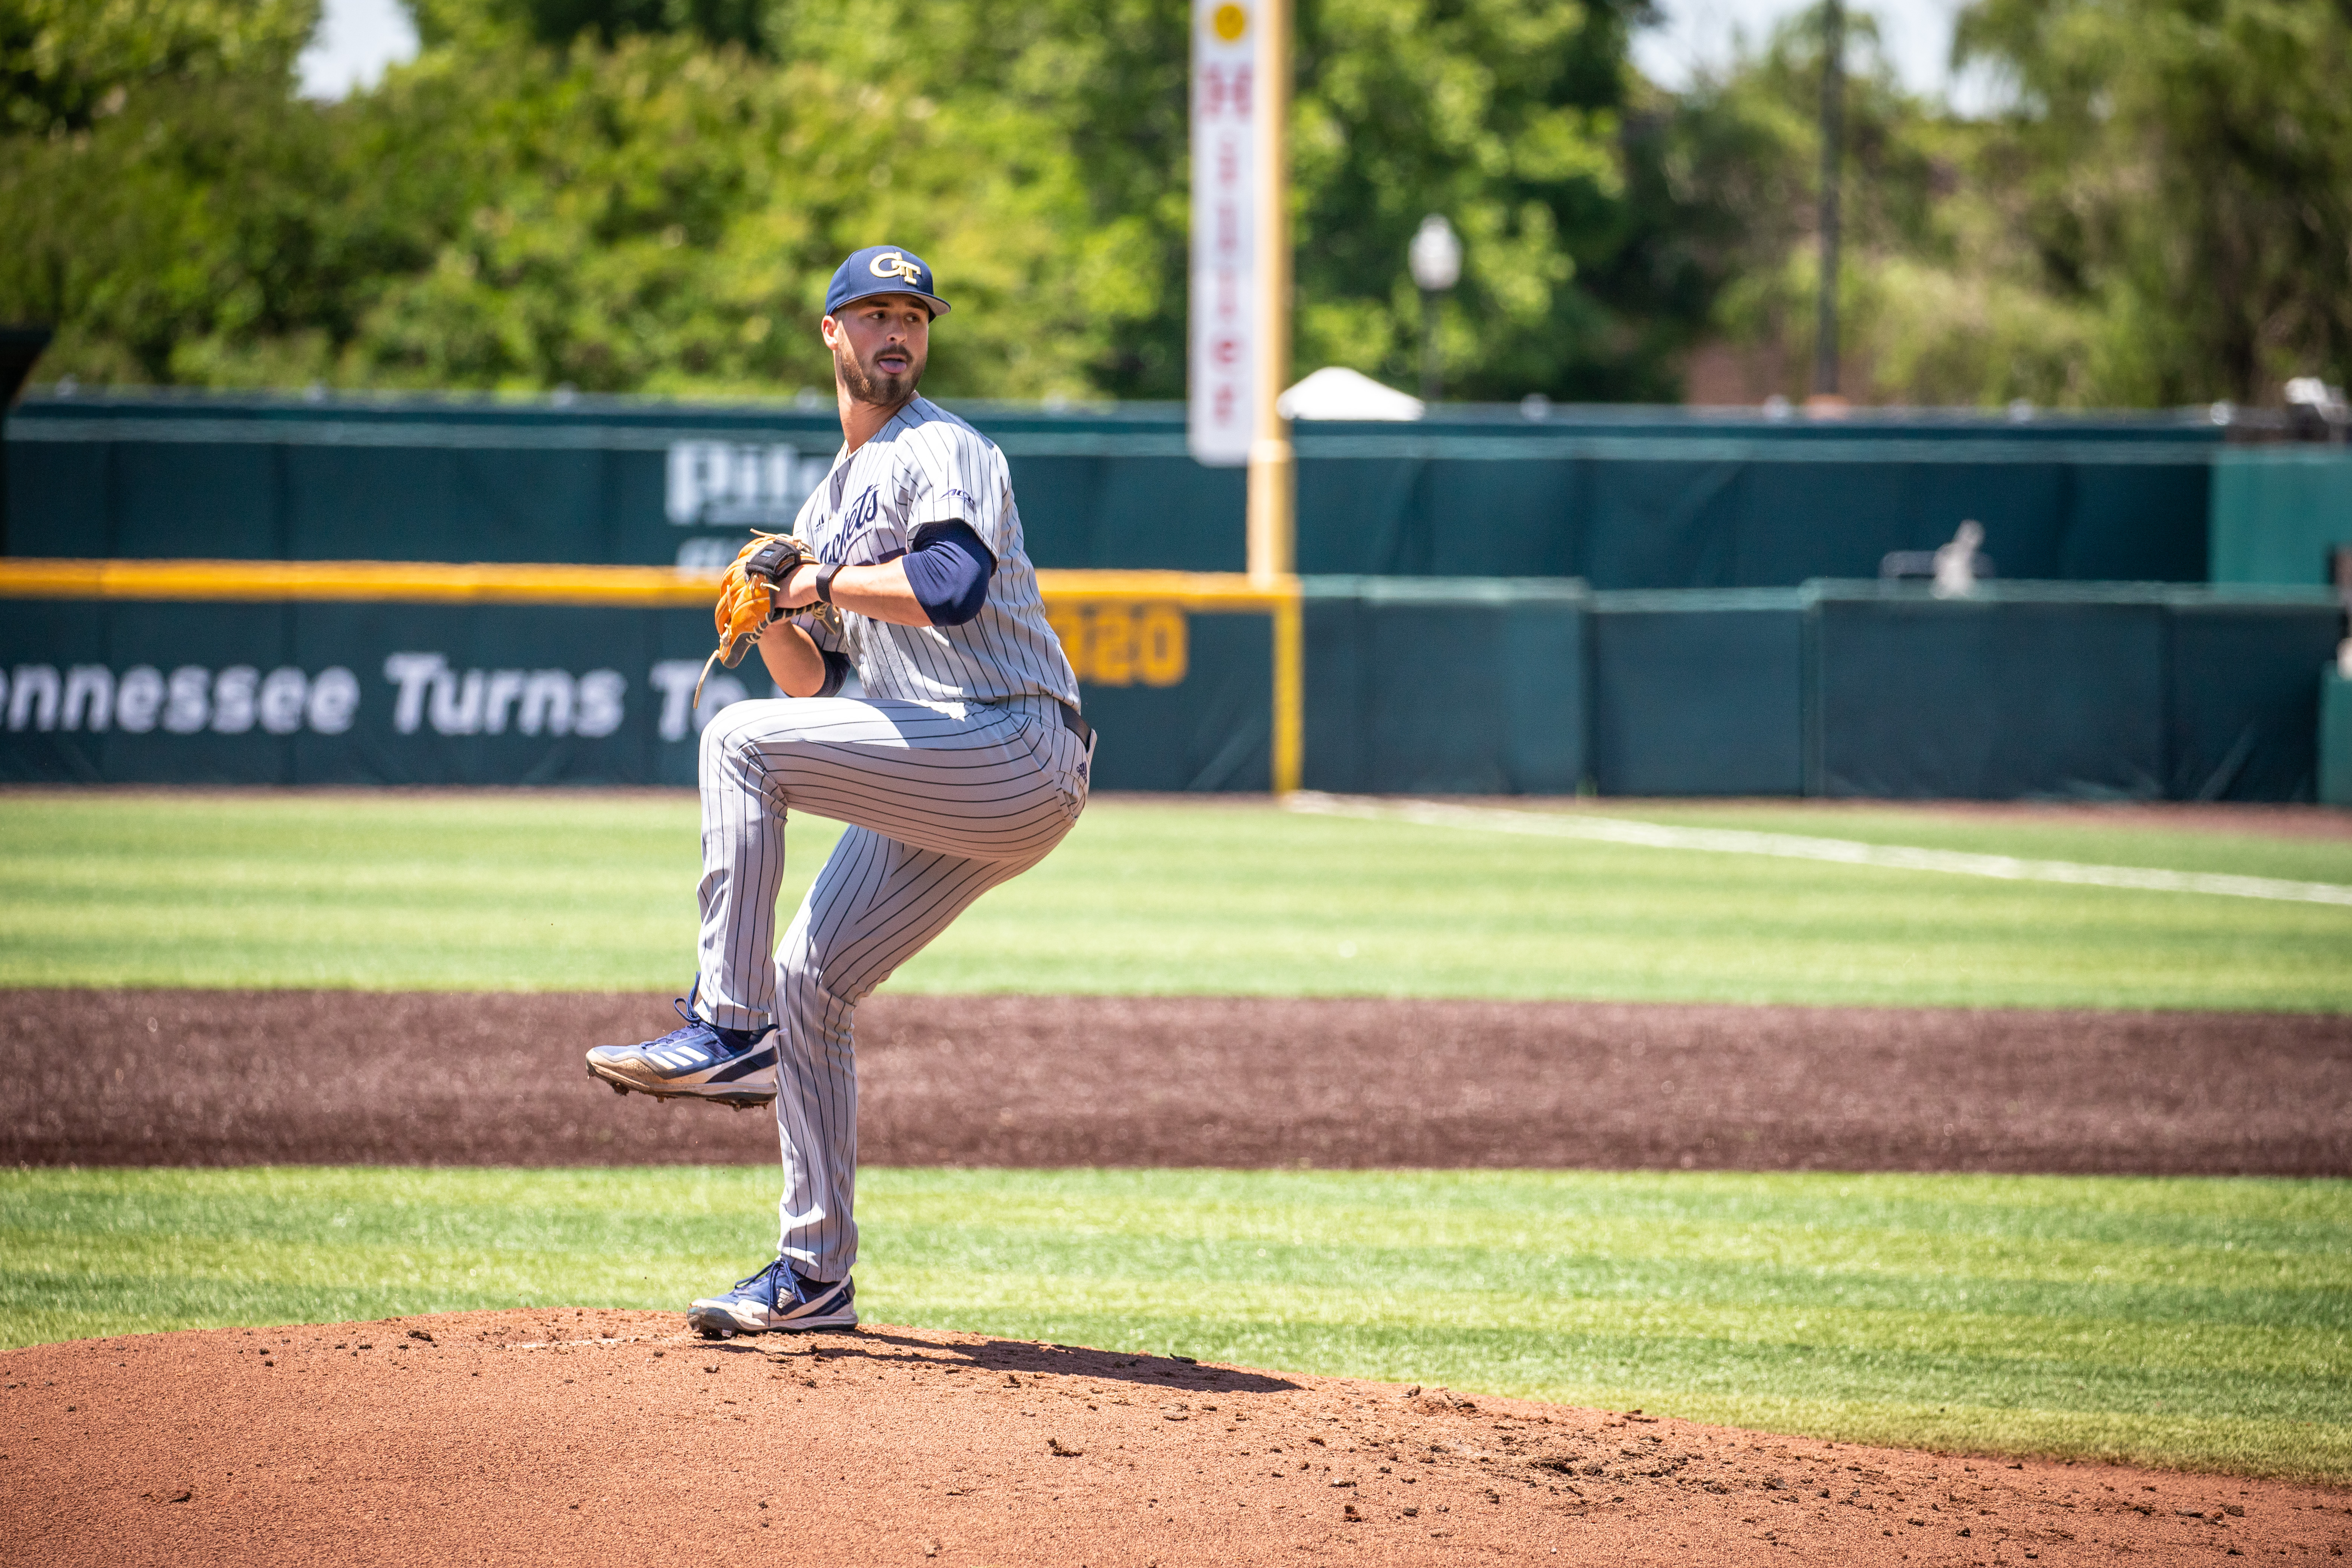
{"x": 208, "y": 1078}
{"x": 607, "y": 1436}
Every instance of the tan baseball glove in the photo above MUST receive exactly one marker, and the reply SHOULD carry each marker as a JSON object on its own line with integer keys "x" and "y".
{"x": 747, "y": 599}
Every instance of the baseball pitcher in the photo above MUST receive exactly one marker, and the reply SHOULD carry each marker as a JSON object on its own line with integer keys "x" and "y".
{"x": 961, "y": 764}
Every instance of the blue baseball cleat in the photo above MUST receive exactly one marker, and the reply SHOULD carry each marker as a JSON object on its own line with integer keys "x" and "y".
{"x": 701, "y": 1061}
{"x": 776, "y": 1297}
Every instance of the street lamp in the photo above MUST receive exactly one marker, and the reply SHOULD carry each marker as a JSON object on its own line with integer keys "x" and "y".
{"x": 1435, "y": 257}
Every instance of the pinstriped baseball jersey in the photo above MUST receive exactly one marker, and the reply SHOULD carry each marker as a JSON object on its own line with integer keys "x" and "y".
{"x": 924, "y": 467}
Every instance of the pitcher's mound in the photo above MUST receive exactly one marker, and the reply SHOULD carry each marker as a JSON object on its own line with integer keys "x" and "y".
{"x": 617, "y": 1438}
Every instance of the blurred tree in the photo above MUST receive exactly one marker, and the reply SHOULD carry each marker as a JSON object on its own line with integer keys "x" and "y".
{"x": 660, "y": 216}
{"x": 649, "y": 195}
{"x": 1944, "y": 297}
{"x": 1106, "y": 81}
{"x": 1505, "y": 115}
{"x": 201, "y": 213}
{"x": 65, "y": 64}
{"x": 477, "y": 22}
{"x": 2161, "y": 215}
{"x": 595, "y": 192}
{"x": 2186, "y": 171}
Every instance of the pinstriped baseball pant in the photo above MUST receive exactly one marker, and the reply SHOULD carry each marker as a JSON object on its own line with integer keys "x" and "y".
{"x": 944, "y": 802}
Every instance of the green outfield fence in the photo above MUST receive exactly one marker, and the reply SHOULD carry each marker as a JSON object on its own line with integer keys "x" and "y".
{"x": 1624, "y": 498}
{"x": 2335, "y": 740}
{"x": 1477, "y": 686}
{"x": 2279, "y": 513}
{"x": 1632, "y": 601}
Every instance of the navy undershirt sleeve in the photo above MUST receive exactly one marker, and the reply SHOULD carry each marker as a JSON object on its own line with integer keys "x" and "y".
{"x": 949, "y": 570}
{"x": 837, "y": 670}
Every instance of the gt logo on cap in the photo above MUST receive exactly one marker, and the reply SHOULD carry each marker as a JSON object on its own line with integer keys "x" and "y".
{"x": 882, "y": 269}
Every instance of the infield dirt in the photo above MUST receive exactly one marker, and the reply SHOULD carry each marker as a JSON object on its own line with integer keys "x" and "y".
{"x": 215, "y": 1078}
{"x": 614, "y": 1437}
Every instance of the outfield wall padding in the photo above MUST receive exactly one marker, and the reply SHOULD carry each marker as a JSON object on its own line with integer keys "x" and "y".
{"x": 2240, "y": 702}
{"x": 1417, "y": 686}
{"x": 2279, "y": 512}
{"x": 2335, "y": 737}
{"x": 2030, "y": 690}
{"x": 1699, "y": 693}
{"x": 1211, "y": 731}
{"x": 1461, "y": 687}
{"x": 1624, "y": 502}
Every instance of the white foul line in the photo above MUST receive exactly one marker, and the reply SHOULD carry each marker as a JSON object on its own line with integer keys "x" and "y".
{"x": 1798, "y": 847}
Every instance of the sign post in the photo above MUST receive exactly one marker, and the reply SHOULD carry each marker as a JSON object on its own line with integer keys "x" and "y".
{"x": 1240, "y": 306}
{"x": 1272, "y": 480}
{"x": 1240, "y": 328}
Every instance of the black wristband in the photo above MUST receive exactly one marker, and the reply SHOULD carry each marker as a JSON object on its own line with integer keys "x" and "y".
{"x": 824, "y": 575}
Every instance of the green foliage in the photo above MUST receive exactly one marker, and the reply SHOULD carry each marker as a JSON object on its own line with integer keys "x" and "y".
{"x": 664, "y": 218}
{"x": 66, "y": 63}
{"x": 649, "y": 195}
{"x": 2196, "y": 1323}
{"x": 2162, "y": 215}
{"x": 496, "y": 891}
{"x": 247, "y": 250}
{"x": 559, "y": 23}
{"x": 2188, "y": 176}
{"x": 1942, "y": 300}
{"x": 658, "y": 216}
{"x": 1503, "y": 115}
{"x": 1107, "y": 78}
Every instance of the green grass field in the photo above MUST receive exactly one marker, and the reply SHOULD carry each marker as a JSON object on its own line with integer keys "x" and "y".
{"x": 2198, "y": 1323}
{"x": 2195, "y": 1323}
{"x": 554, "y": 891}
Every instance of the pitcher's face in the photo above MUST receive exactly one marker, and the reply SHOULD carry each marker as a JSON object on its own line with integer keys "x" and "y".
{"x": 879, "y": 345}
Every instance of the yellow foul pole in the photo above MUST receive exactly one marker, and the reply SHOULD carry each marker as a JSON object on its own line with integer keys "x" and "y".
{"x": 1273, "y": 475}
{"x": 1272, "y": 480}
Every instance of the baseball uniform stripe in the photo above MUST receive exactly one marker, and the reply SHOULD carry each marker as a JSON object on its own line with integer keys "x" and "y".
{"x": 944, "y": 803}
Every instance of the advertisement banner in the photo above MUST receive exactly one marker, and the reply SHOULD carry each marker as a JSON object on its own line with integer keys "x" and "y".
{"x": 401, "y": 693}
{"x": 1221, "y": 378}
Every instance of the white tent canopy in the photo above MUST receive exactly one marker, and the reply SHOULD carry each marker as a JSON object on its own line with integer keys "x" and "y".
{"x": 1334, "y": 393}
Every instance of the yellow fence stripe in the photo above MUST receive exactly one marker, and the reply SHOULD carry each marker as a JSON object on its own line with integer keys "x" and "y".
{"x": 1207, "y": 591}
{"x": 394, "y": 581}
{"x": 438, "y": 583}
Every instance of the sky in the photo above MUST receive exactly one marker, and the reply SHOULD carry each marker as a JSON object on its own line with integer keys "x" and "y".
{"x": 1916, "y": 35}
{"x": 357, "y": 38}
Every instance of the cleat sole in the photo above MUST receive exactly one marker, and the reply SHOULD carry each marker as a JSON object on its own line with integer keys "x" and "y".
{"x": 738, "y": 1099}
{"x": 718, "y": 1326}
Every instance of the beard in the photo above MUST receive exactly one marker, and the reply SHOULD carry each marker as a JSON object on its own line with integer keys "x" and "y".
{"x": 866, "y": 385}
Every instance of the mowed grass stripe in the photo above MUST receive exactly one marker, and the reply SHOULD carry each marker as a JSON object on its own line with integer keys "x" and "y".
{"x": 495, "y": 891}
{"x": 2198, "y": 1323}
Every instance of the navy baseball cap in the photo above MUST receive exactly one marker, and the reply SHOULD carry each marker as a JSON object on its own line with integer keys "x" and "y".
{"x": 882, "y": 269}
